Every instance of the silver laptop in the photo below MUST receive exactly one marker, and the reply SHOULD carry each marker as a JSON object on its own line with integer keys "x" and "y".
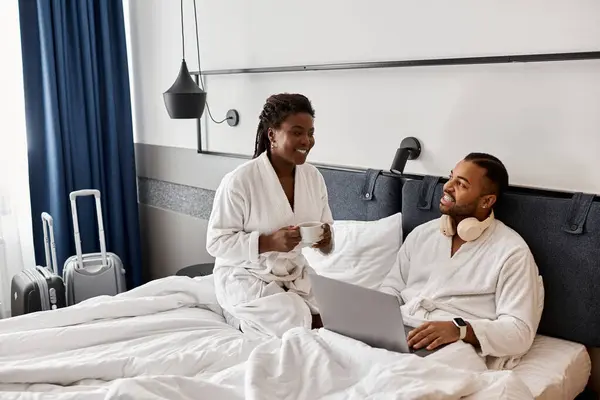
{"x": 367, "y": 315}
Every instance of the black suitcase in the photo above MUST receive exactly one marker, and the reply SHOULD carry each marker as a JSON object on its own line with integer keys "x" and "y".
{"x": 39, "y": 288}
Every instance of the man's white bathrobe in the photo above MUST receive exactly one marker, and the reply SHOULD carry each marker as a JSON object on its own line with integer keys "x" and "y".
{"x": 492, "y": 282}
{"x": 263, "y": 293}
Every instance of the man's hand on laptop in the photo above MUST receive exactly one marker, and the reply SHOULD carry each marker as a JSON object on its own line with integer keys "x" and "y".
{"x": 433, "y": 334}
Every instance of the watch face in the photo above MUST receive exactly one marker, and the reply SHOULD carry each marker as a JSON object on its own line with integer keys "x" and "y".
{"x": 460, "y": 322}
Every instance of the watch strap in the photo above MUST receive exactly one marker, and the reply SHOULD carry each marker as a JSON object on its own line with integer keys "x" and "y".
{"x": 461, "y": 329}
{"x": 463, "y": 332}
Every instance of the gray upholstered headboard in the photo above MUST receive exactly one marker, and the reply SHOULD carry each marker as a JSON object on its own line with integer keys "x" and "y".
{"x": 562, "y": 230}
{"x": 362, "y": 196}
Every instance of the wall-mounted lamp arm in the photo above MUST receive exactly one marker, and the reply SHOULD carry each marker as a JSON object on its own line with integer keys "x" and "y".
{"x": 410, "y": 149}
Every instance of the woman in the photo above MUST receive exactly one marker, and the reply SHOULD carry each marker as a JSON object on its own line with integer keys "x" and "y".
{"x": 261, "y": 276}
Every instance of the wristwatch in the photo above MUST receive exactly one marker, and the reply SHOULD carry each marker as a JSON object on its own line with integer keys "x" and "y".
{"x": 462, "y": 327}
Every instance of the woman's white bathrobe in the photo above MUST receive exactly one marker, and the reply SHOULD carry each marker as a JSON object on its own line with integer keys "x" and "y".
{"x": 492, "y": 282}
{"x": 263, "y": 293}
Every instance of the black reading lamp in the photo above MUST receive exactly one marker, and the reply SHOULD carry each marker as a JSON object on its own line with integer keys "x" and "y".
{"x": 184, "y": 99}
{"x": 410, "y": 149}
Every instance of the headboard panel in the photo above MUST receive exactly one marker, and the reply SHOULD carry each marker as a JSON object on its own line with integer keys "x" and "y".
{"x": 565, "y": 244}
{"x": 362, "y": 196}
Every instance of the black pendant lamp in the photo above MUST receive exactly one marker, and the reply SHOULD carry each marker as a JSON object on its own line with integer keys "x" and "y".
{"x": 184, "y": 99}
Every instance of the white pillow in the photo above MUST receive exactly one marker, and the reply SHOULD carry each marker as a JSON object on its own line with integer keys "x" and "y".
{"x": 364, "y": 251}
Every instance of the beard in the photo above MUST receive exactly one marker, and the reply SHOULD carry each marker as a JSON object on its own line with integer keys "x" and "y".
{"x": 460, "y": 210}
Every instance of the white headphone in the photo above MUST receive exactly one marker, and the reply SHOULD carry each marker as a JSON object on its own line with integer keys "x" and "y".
{"x": 468, "y": 229}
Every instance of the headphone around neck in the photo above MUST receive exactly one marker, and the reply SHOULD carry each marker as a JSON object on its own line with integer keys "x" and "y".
{"x": 469, "y": 229}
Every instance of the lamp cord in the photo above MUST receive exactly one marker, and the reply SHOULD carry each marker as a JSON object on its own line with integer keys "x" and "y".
{"x": 200, "y": 69}
{"x": 182, "y": 33}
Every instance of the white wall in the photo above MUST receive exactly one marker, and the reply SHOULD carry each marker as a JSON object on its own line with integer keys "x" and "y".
{"x": 542, "y": 119}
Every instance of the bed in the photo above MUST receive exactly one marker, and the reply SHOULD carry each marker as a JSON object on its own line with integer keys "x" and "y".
{"x": 168, "y": 340}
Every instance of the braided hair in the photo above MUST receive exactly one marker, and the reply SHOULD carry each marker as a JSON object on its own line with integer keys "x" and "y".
{"x": 277, "y": 108}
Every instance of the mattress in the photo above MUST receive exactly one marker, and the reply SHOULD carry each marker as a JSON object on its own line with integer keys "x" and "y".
{"x": 555, "y": 369}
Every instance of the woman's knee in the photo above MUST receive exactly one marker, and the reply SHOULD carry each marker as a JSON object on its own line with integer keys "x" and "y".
{"x": 234, "y": 287}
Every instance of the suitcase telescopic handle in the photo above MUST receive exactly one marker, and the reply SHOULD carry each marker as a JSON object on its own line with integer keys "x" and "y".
{"x": 49, "y": 244}
{"x": 73, "y": 197}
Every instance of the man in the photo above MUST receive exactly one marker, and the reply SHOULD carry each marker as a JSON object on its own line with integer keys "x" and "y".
{"x": 467, "y": 276}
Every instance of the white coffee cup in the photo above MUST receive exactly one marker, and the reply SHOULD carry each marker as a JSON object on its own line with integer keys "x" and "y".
{"x": 311, "y": 232}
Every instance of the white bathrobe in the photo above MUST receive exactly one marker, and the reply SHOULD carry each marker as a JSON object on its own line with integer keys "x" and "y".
{"x": 263, "y": 293}
{"x": 492, "y": 282}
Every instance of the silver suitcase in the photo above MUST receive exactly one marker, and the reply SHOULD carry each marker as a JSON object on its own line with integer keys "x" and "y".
{"x": 93, "y": 274}
{"x": 39, "y": 288}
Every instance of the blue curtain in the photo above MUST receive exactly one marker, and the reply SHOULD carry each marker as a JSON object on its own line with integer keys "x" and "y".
{"x": 79, "y": 124}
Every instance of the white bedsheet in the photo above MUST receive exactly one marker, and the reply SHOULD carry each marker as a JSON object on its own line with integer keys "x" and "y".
{"x": 167, "y": 340}
{"x": 555, "y": 369}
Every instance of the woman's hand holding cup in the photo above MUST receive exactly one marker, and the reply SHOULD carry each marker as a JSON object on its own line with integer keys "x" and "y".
{"x": 283, "y": 240}
{"x": 325, "y": 242}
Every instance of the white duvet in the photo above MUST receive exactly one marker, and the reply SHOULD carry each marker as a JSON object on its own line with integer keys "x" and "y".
{"x": 168, "y": 340}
